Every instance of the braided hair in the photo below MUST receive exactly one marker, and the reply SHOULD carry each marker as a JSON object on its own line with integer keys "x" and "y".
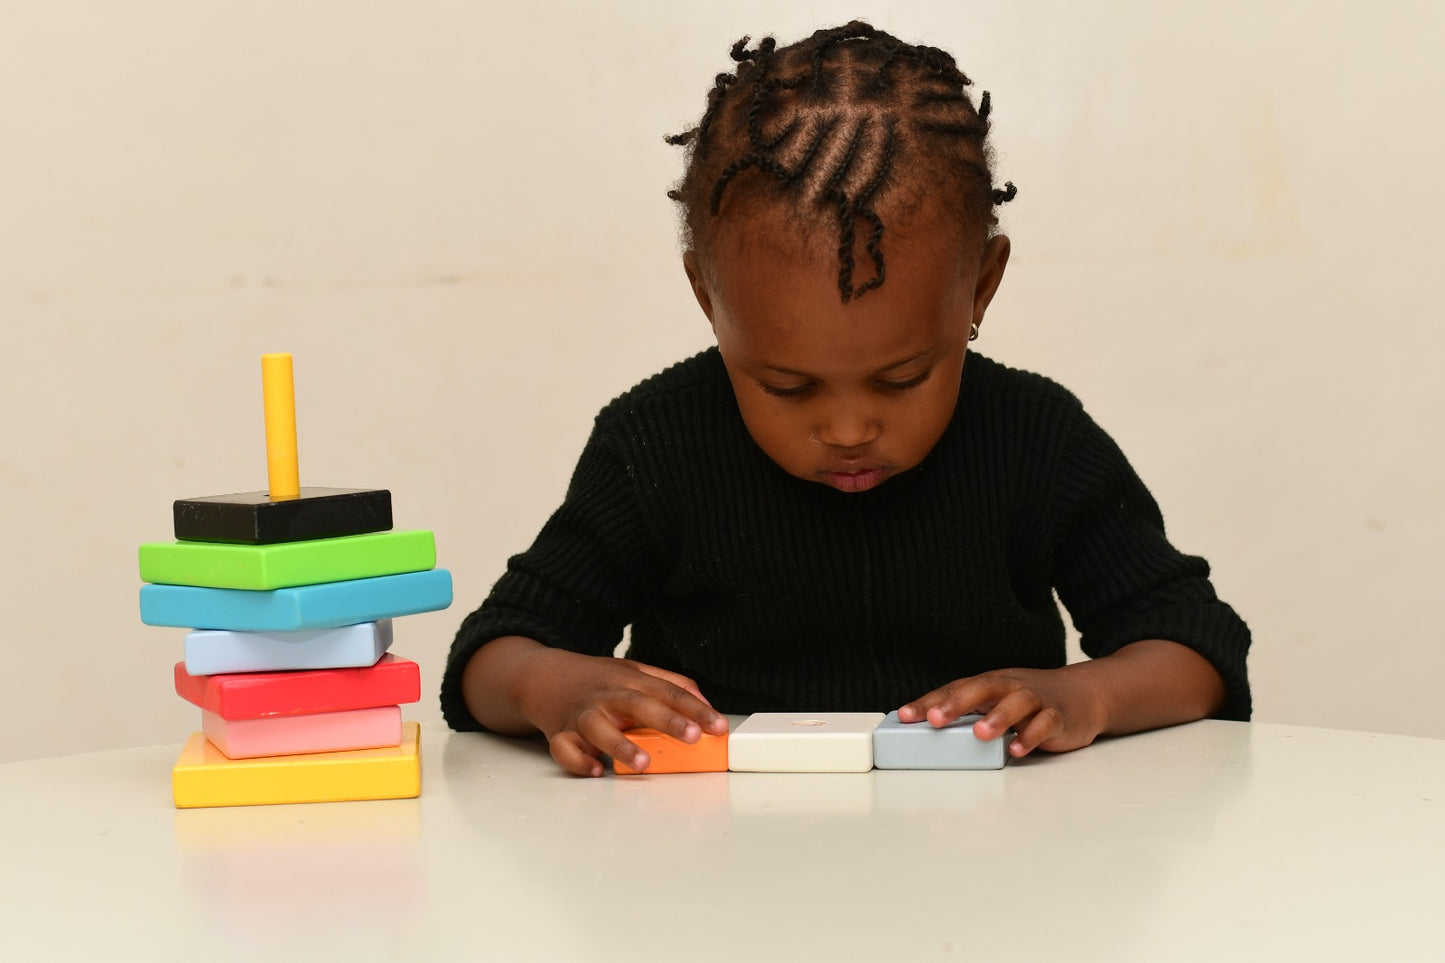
{"x": 834, "y": 124}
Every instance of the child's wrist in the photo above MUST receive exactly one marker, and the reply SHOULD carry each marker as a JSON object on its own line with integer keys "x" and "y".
{"x": 534, "y": 685}
{"x": 1094, "y": 696}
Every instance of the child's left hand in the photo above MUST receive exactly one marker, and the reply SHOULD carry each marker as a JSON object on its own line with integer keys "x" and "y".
{"x": 1051, "y": 709}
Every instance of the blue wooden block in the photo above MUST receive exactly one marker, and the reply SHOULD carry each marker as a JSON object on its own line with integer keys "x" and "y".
{"x": 918, "y": 745}
{"x": 320, "y": 606}
{"x": 221, "y": 651}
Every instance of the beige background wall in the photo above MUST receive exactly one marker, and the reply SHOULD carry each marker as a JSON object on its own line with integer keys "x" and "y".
{"x": 1226, "y": 241}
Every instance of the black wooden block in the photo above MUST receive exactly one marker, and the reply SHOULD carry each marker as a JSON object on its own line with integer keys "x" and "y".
{"x": 253, "y": 518}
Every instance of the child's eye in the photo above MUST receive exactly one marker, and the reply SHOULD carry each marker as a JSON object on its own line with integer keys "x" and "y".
{"x": 905, "y": 385}
{"x": 777, "y": 392}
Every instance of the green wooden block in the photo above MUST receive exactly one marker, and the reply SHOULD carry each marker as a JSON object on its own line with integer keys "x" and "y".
{"x": 287, "y": 564}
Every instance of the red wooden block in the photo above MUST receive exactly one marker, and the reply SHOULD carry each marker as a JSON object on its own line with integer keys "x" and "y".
{"x": 258, "y": 695}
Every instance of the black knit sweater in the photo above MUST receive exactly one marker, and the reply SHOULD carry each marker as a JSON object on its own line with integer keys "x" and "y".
{"x": 778, "y": 594}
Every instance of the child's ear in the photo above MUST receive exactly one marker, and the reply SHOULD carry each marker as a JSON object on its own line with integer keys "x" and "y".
{"x": 695, "y": 280}
{"x": 990, "y": 274}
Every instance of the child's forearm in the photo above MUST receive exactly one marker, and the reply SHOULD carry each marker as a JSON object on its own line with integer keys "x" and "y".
{"x": 493, "y": 682}
{"x": 1151, "y": 684}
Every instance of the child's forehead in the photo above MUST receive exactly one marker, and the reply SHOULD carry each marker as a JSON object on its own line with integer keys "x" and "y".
{"x": 765, "y": 274}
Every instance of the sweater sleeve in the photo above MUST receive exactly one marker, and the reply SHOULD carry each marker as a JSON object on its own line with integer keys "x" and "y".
{"x": 576, "y": 587}
{"x": 1121, "y": 579}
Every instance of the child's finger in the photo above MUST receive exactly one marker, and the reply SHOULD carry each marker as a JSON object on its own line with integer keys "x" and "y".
{"x": 595, "y": 726}
{"x": 645, "y": 709}
{"x": 1010, "y": 712}
{"x": 1045, "y": 723}
{"x": 960, "y": 697}
{"x": 917, "y": 710}
{"x": 685, "y": 705}
{"x": 677, "y": 679}
{"x": 978, "y": 694}
{"x": 568, "y": 749}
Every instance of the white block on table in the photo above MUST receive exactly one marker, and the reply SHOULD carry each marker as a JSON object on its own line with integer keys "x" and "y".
{"x": 217, "y": 651}
{"x": 804, "y": 742}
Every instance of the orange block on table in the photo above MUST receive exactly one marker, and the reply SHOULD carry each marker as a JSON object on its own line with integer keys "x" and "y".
{"x": 708, "y": 754}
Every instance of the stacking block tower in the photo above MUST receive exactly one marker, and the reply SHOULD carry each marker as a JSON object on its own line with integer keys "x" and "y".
{"x": 290, "y": 594}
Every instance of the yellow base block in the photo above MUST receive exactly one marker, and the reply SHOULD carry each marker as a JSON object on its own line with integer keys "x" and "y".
{"x": 203, "y": 776}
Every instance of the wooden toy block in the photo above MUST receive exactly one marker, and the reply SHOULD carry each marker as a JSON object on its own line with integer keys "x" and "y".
{"x": 259, "y": 695}
{"x": 303, "y": 607}
{"x": 254, "y": 518}
{"x": 666, "y": 754}
{"x": 918, "y": 745}
{"x": 212, "y": 652}
{"x": 800, "y": 742}
{"x": 203, "y": 776}
{"x": 288, "y": 564}
{"x": 291, "y": 735}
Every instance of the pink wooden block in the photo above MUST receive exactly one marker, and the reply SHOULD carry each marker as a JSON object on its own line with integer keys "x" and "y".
{"x": 319, "y": 732}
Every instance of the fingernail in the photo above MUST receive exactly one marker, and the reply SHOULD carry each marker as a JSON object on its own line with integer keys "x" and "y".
{"x": 691, "y": 732}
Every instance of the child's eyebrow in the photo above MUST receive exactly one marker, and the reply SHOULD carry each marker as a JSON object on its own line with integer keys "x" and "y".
{"x": 887, "y": 367}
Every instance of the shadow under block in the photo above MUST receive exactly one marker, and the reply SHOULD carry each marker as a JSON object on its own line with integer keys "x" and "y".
{"x": 918, "y": 745}
{"x": 304, "y": 607}
{"x": 260, "y": 695}
{"x": 203, "y": 776}
{"x": 252, "y": 518}
{"x": 264, "y": 567}
{"x": 802, "y": 742}
{"x": 221, "y": 651}
{"x": 666, "y": 754}
{"x": 290, "y": 735}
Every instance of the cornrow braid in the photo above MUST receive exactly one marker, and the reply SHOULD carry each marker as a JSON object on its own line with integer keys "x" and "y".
{"x": 874, "y": 243}
{"x": 846, "y": 207}
{"x": 912, "y": 132}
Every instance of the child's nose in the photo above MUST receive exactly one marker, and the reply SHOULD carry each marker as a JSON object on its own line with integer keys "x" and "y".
{"x": 848, "y": 428}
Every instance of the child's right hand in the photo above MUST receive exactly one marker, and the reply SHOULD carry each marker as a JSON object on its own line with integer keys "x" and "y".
{"x": 584, "y": 704}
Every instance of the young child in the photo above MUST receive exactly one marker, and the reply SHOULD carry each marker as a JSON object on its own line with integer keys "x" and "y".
{"x": 830, "y": 510}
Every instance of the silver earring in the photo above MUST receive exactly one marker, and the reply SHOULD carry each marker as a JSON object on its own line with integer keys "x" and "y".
{"x": 973, "y": 331}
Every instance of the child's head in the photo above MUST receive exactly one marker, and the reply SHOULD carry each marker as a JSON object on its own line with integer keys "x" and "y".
{"x": 838, "y": 222}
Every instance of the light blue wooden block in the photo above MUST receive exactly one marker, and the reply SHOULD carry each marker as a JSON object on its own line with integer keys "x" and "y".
{"x": 918, "y": 745}
{"x": 322, "y": 606}
{"x": 218, "y": 651}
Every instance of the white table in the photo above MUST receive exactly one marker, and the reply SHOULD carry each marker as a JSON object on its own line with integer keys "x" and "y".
{"x": 1214, "y": 841}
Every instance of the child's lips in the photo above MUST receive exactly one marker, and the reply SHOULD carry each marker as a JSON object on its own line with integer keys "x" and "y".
{"x": 854, "y": 478}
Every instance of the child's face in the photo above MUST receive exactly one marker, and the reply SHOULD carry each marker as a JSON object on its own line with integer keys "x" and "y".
{"x": 846, "y": 395}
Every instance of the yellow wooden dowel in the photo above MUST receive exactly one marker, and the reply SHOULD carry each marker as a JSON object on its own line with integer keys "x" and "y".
{"x": 279, "y": 392}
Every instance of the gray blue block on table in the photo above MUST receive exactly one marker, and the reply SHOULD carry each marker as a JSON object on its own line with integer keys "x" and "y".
{"x": 918, "y": 745}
